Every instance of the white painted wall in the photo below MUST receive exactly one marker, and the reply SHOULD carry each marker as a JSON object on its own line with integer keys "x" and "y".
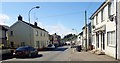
{"x": 21, "y": 33}
{"x": 110, "y": 26}
{"x": 42, "y": 39}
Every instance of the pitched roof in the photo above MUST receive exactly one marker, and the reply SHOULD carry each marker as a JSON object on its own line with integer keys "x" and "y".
{"x": 34, "y": 26}
{"x": 98, "y": 10}
{"x": 3, "y": 27}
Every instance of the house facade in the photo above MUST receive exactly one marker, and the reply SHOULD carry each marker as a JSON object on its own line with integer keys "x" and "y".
{"x": 104, "y": 28}
{"x": 3, "y": 36}
{"x": 56, "y": 39}
{"x": 80, "y": 38}
{"x": 22, "y": 33}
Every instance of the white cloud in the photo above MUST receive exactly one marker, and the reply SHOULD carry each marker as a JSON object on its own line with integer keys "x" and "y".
{"x": 3, "y": 19}
{"x": 59, "y": 29}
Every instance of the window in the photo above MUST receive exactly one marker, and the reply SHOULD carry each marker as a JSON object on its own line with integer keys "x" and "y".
{"x": 37, "y": 44}
{"x": 97, "y": 40}
{"x": 44, "y": 34}
{"x": 102, "y": 15}
{"x": 22, "y": 43}
{"x": 96, "y": 19}
{"x": 11, "y": 33}
{"x": 12, "y": 44}
{"x": 111, "y": 38}
{"x": 111, "y": 7}
{"x": 41, "y": 33}
{"x": 36, "y": 33}
{"x": 93, "y": 39}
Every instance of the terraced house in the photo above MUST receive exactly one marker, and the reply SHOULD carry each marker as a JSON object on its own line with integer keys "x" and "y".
{"x": 22, "y": 33}
{"x": 103, "y": 22}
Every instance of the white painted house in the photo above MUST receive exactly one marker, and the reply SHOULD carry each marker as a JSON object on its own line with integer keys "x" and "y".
{"x": 104, "y": 28}
{"x": 22, "y": 33}
{"x": 80, "y": 38}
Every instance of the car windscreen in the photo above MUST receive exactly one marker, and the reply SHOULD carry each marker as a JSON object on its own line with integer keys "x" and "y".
{"x": 24, "y": 49}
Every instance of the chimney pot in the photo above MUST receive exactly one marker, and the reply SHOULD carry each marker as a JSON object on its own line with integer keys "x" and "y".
{"x": 35, "y": 23}
{"x": 20, "y": 17}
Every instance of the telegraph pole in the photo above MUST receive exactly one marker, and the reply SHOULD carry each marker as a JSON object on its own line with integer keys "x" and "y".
{"x": 85, "y": 30}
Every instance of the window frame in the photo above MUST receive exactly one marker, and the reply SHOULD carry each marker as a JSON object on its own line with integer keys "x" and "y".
{"x": 112, "y": 41}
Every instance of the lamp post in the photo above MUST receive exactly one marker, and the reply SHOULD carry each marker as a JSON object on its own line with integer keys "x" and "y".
{"x": 30, "y": 11}
{"x": 75, "y": 30}
{"x": 76, "y": 34}
{"x": 29, "y": 20}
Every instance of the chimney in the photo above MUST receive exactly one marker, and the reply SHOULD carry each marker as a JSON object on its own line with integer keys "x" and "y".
{"x": 35, "y": 23}
{"x": 19, "y": 18}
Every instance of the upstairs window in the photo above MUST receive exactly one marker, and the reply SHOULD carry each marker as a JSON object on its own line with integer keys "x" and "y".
{"x": 44, "y": 34}
{"x": 96, "y": 19}
{"x": 102, "y": 16}
{"x": 11, "y": 33}
{"x": 41, "y": 33}
{"x": 36, "y": 33}
{"x": 111, "y": 7}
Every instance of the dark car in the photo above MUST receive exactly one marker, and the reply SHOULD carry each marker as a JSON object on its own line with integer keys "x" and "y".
{"x": 25, "y": 51}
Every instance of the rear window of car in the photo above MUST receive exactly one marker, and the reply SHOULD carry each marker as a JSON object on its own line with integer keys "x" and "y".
{"x": 25, "y": 48}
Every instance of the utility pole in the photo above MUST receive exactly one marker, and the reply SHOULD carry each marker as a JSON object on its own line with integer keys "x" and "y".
{"x": 85, "y": 30}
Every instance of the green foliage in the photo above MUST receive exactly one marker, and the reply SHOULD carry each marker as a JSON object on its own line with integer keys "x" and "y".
{"x": 69, "y": 37}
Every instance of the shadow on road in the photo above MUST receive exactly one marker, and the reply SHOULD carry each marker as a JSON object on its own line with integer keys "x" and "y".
{"x": 39, "y": 55}
{"x": 7, "y": 56}
{"x": 55, "y": 49}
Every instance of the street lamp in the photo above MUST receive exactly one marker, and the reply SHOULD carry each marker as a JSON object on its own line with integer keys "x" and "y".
{"x": 75, "y": 36}
{"x": 75, "y": 30}
{"x": 30, "y": 11}
{"x": 29, "y": 19}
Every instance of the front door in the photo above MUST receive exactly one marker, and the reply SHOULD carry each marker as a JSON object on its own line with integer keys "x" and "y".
{"x": 12, "y": 44}
{"x": 103, "y": 41}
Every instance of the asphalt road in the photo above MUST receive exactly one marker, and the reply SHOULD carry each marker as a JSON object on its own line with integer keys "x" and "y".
{"x": 58, "y": 54}
{"x": 63, "y": 54}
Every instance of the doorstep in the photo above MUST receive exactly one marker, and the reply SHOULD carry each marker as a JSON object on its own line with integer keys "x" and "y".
{"x": 98, "y": 52}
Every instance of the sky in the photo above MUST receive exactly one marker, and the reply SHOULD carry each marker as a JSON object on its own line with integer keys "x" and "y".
{"x": 55, "y": 17}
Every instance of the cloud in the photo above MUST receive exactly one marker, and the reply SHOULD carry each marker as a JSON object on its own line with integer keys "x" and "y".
{"x": 3, "y": 19}
{"x": 59, "y": 29}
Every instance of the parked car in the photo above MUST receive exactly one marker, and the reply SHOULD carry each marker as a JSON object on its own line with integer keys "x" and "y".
{"x": 25, "y": 51}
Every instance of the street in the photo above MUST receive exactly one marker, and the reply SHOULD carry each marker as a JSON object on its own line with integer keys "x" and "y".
{"x": 65, "y": 53}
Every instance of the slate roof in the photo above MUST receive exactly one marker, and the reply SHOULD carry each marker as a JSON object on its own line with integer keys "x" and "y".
{"x": 34, "y": 26}
{"x": 3, "y": 27}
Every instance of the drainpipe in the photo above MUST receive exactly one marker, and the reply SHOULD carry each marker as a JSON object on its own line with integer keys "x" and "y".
{"x": 116, "y": 31}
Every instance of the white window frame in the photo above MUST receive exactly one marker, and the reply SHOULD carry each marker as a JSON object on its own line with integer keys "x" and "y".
{"x": 111, "y": 38}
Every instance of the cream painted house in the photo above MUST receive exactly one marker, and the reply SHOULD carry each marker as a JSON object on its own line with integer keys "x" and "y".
{"x": 104, "y": 28}
{"x": 22, "y": 33}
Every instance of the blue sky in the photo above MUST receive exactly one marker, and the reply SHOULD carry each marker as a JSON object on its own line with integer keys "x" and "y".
{"x": 55, "y": 17}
